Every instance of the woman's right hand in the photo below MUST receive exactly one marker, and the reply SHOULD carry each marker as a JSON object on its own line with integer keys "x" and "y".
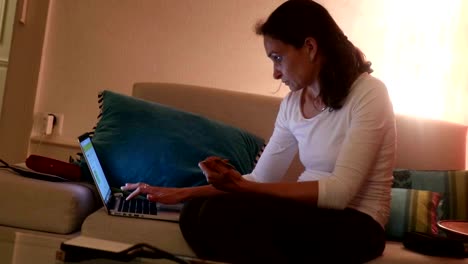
{"x": 222, "y": 175}
{"x": 156, "y": 194}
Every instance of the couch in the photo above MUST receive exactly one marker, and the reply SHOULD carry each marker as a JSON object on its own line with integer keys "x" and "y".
{"x": 71, "y": 207}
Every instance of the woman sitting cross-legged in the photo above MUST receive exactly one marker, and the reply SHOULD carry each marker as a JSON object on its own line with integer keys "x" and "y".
{"x": 340, "y": 120}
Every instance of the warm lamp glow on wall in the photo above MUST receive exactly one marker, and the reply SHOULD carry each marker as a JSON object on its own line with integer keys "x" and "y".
{"x": 420, "y": 51}
{"x": 425, "y": 58}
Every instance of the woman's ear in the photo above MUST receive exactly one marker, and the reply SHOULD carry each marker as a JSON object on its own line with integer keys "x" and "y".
{"x": 311, "y": 47}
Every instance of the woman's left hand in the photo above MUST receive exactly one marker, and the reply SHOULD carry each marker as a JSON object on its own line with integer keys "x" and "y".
{"x": 221, "y": 174}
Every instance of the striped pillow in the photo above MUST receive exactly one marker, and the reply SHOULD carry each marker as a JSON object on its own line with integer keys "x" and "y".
{"x": 453, "y": 185}
{"x": 413, "y": 210}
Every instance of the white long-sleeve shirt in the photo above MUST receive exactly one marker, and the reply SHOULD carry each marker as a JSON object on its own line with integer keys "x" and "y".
{"x": 350, "y": 151}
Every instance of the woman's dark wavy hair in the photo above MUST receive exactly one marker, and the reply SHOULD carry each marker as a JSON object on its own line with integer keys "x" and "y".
{"x": 294, "y": 21}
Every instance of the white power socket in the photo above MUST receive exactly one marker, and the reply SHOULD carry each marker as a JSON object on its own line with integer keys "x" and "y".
{"x": 48, "y": 124}
{"x": 58, "y": 128}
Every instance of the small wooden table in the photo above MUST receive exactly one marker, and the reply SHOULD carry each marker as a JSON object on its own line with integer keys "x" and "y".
{"x": 457, "y": 229}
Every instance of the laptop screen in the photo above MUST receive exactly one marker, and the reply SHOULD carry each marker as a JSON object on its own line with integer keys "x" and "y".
{"x": 95, "y": 168}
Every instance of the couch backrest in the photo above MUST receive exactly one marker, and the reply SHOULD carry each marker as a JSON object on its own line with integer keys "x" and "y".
{"x": 422, "y": 144}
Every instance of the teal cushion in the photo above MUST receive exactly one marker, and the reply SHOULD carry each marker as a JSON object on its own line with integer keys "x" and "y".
{"x": 142, "y": 141}
{"x": 413, "y": 210}
{"x": 452, "y": 184}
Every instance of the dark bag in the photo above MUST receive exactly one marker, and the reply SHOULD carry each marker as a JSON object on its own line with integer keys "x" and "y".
{"x": 434, "y": 245}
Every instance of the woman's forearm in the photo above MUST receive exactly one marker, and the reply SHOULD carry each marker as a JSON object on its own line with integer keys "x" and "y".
{"x": 306, "y": 191}
{"x": 201, "y": 191}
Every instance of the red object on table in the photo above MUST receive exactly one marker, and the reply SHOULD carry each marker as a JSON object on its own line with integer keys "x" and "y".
{"x": 59, "y": 168}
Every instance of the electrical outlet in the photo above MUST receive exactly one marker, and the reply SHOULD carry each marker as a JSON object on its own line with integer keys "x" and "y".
{"x": 41, "y": 126}
{"x": 40, "y": 122}
{"x": 58, "y": 127}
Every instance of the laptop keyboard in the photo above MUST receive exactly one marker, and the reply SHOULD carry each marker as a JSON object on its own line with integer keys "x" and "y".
{"x": 138, "y": 206}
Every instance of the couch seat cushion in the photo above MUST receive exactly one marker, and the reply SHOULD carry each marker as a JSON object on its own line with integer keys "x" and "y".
{"x": 45, "y": 206}
{"x": 161, "y": 234}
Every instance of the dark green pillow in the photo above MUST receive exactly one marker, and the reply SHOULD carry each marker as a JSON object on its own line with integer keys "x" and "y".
{"x": 142, "y": 141}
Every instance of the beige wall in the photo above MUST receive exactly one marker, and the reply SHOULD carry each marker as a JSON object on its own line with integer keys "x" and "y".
{"x": 92, "y": 45}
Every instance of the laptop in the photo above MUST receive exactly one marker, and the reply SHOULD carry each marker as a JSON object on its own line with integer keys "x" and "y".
{"x": 114, "y": 202}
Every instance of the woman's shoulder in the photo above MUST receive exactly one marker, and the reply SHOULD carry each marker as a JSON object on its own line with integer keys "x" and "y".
{"x": 365, "y": 81}
{"x": 366, "y": 85}
{"x": 367, "y": 89}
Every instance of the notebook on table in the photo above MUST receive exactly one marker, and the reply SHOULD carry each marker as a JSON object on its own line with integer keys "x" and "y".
{"x": 115, "y": 202}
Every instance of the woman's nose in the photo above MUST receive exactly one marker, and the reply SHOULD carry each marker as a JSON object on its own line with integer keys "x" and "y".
{"x": 277, "y": 74}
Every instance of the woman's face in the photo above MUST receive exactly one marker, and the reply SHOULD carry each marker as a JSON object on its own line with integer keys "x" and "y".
{"x": 296, "y": 68}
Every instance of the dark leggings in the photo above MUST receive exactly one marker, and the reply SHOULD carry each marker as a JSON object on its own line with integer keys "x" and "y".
{"x": 241, "y": 228}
